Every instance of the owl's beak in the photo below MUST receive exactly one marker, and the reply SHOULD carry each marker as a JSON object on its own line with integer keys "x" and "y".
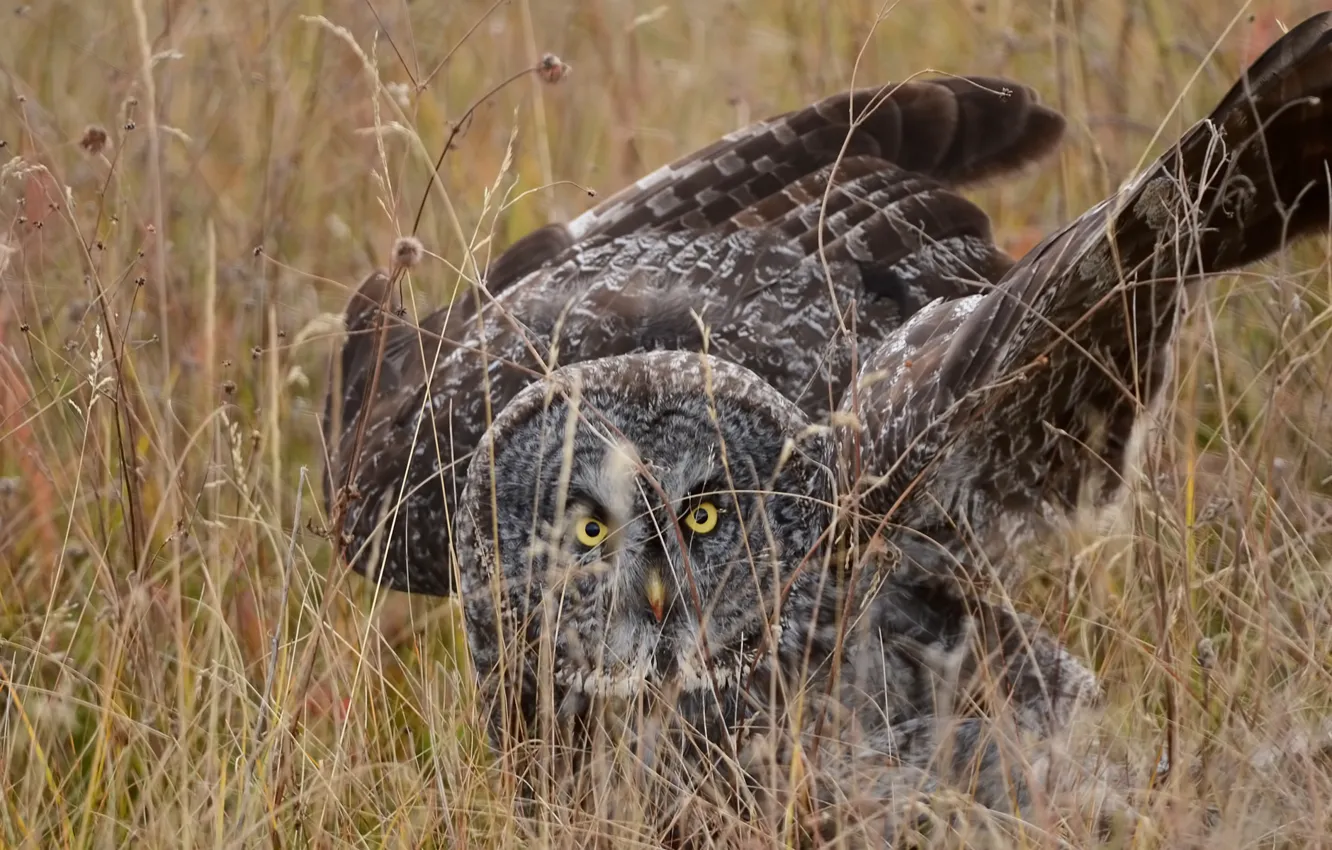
{"x": 656, "y": 593}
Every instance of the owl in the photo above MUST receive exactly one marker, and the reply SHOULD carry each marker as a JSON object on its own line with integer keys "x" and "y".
{"x": 796, "y": 246}
{"x": 673, "y": 544}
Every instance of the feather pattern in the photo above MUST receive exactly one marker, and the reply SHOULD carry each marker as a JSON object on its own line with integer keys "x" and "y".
{"x": 727, "y": 238}
{"x": 992, "y": 398}
{"x": 983, "y": 418}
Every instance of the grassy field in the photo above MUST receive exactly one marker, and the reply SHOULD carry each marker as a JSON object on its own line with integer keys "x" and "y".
{"x": 189, "y": 190}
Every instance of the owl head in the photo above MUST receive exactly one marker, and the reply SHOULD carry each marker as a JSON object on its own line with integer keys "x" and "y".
{"x": 637, "y": 530}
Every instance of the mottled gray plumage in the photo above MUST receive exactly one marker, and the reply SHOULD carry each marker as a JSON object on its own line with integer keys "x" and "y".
{"x": 730, "y": 234}
{"x": 987, "y": 417}
{"x": 979, "y": 414}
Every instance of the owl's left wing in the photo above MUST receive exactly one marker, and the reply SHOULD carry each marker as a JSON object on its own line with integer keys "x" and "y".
{"x": 900, "y": 142}
{"x": 983, "y": 417}
{"x": 731, "y": 232}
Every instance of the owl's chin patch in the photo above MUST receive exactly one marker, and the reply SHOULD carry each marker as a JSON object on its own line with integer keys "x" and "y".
{"x": 654, "y": 715}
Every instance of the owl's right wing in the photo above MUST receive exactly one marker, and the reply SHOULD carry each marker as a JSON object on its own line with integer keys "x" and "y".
{"x": 984, "y": 417}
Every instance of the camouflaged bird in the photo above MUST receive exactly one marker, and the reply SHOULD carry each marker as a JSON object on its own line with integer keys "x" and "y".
{"x": 989, "y": 399}
{"x": 800, "y": 242}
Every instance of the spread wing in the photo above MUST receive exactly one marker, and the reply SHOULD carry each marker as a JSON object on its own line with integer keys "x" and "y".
{"x": 732, "y": 234}
{"x": 986, "y": 415}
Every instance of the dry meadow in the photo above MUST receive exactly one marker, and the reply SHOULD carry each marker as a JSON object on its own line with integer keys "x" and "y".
{"x": 189, "y": 191}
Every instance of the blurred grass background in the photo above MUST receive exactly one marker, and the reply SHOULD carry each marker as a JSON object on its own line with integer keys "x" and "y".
{"x": 180, "y": 667}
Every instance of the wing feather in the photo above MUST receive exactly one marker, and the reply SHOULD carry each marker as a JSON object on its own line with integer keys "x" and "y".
{"x": 983, "y": 417}
{"x": 793, "y": 279}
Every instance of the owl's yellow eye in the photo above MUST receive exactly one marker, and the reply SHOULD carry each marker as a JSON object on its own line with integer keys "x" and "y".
{"x": 702, "y": 518}
{"x": 591, "y": 531}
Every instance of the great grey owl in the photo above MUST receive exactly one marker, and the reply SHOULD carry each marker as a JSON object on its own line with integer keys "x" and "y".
{"x": 688, "y": 538}
{"x": 673, "y": 532}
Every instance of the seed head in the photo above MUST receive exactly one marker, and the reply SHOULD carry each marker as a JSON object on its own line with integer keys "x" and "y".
{"x": 552, "y": 68}
{"x": 407, "y": 252}
{"x": 94, "y": 140}
{"x": 1206, "y": 654}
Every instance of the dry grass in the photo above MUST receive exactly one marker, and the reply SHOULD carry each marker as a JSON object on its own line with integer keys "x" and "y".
{"x": 180, "y": 666}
